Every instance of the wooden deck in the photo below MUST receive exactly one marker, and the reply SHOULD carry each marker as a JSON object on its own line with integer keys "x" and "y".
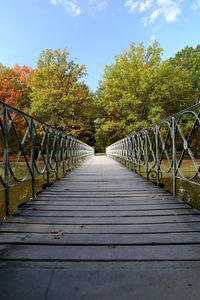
{"x": 102, "y": 232}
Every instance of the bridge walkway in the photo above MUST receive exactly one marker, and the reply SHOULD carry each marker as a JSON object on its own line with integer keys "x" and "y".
{"x": 101, "y": 232}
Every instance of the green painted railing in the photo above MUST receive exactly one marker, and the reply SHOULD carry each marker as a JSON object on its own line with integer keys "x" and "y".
{"x": 32, "y": 156}
{"x": 167, "y": 153}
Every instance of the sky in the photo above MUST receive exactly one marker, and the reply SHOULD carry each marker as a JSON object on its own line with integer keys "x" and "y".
{"x": 94, "y": 31}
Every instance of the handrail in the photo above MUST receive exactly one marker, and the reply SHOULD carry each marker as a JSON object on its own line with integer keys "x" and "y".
{"x": 32, "y": 152}
{"x": 169, "y": 148}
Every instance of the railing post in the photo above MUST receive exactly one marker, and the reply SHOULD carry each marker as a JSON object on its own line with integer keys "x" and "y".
{"x": 157, "y": 155}
{"x": 173, "y": 134}
{"x": 129, "y": 152}
{"x": 139, "y": 153}
{"x": 6, "y": 161}
{"x": 63, "y": 154}
{"x": 68, "y": 153}
{"x": 134, "y": 153}
{"x": 72, "y": 154}
{"x": 32, "y": 134}
{"x": 57, "y": 155}
{"x": 75, "y": 154}
{"x": 146, "y": 154}
{"x": 47, "y": 157}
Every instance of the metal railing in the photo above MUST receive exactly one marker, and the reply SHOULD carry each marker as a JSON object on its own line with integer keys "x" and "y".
{"x": 32, "y": 156}
{"x": 166, "y": 152}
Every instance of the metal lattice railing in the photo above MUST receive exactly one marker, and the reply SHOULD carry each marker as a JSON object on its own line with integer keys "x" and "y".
{"x": 168, "y": 151}
{"x": 32, "y": 156}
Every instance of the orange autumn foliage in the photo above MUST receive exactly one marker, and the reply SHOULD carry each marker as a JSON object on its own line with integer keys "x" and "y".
{"x": 22, "y": 72}
{"x": 14, "y": 90}
{"x": 13, "y": 85}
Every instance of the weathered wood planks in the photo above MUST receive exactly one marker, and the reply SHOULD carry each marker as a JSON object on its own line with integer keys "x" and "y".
{"x": 101, "y": 222}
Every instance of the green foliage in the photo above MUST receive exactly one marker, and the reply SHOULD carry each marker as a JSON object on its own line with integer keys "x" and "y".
{"x": 59, "y": 98}
{"x": 189, "y": 59}
{"x": 139, "y": 89}
{"x": 173, "y": 90}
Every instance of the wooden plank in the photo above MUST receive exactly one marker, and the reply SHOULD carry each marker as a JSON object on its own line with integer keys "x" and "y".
{"x": 106, "y": 213}
{"x": 100, "y": 229}
{"x": 99, "y": 197}
{"x": 66, "y": 201}
{"x": 144, "y": 200}
{"x": 90, "y": 193}
{"x": 109, "y": 206}
{"x": 106, "y": 195}
{"x": 106, "y": 220}
{"x": 56, "y": 237}
{"x": 100, "y": 253}
{"x": 101, "y": 213}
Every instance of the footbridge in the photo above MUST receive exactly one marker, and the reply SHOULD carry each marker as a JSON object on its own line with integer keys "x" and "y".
{"x": 102, "y": 231}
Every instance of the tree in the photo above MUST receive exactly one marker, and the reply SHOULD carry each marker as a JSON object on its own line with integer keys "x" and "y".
{"x": 139, "y": 89}
{"x": 59, "y": 98}
{"x": 14, "y": 90}
{"x": 13, "y": 85}
{"x": 189, "y": 59}
{"x": 80, "y": 121}
{"x": 173, "y": 90}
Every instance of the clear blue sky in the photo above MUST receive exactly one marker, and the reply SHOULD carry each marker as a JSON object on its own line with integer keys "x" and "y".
{"x": 94, "y": 31}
